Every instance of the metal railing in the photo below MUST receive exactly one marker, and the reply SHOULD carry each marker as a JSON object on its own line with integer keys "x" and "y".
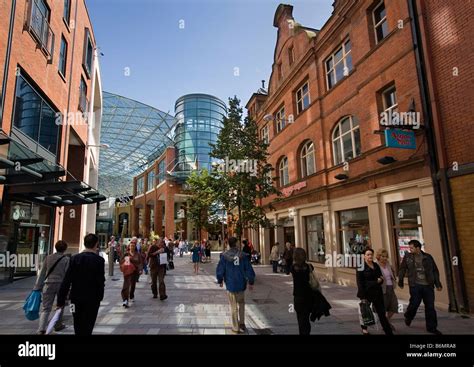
{"x": 39, "y": 27}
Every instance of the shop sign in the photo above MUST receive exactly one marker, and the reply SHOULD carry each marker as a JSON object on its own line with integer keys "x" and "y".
{"x": 21, "y": 212}
{"x": 396, "y": 138}
{"x": 288, "y": 191}
{"x": 181, "y": 214}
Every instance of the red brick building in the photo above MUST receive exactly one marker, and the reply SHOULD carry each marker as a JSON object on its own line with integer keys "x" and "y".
{"x": 445, "y": 32}
{"x": 343, "y": 188}
{"x": 51, "y": 103}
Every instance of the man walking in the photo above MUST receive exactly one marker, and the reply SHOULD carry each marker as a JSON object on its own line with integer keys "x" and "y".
{"x": 157, "y": 270}
{"x": 423, "y": 276}
{"x": 235, "y": 270}
{"x": 86, "y": 278}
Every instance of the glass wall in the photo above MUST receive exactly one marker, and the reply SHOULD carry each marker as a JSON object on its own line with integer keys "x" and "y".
{"x": 199, "y": 121}
{"x": 34, "y": 117}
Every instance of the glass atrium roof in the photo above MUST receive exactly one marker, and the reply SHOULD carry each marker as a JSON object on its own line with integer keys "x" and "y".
{"x": 137, "y": 134}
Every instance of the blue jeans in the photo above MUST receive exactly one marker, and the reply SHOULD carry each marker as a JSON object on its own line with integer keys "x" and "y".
{"x": 275, "y": 266}
{"x": 426, "y": 294}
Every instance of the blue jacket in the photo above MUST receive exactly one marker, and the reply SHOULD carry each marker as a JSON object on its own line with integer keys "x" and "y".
{"x": 235, "y": 270}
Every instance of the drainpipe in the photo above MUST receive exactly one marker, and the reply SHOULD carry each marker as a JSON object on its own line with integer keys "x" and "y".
{"x": 445, "y": 213}
{"x": 7, "y": 61}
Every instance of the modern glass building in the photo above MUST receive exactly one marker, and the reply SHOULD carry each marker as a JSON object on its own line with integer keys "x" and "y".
{"x": 136, "y": 134}
{"x": 199, "y": 120}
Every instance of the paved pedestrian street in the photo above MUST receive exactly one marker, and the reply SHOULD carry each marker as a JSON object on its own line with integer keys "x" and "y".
{"x": 197, "y": 305}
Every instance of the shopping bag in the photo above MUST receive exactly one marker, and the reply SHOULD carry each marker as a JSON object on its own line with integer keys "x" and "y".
{"x": 163, "y": 258}
{"x": 366, "y": 314}
{"x": 32, "y": 305}
{"x": 53, "y": 321}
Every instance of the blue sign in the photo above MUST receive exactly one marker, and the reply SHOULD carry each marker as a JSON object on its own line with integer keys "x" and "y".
{"x": 396, "y": 138}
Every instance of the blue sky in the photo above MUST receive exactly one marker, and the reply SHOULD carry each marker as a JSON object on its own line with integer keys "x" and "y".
{"x": 176, "y": 47}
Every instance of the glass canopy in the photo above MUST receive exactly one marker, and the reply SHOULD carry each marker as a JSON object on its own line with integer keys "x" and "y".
{"x": 136, "y": 134}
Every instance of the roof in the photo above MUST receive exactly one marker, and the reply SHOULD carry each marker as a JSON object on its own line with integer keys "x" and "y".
{"x": 136, "y": 134}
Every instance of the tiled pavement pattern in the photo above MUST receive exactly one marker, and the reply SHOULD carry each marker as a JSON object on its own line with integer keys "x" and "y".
{"x": 196, "y": 305}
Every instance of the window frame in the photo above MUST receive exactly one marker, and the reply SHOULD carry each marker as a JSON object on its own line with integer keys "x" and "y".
{"x": 63, "y": 73}
{"x": 333, "y": 67}
{"x": 380, "y": 23}
{"x": 265, "y": 134}
{"x": 67, "y": 17}
{"x": 341, "y": 142}
{"x": 283, "y": 171}
{"x": 87, "y": 42}
{"x": 280, "y": 121}
{"x": 304, "y": 154}
{"x": 140, "y": 185}
{"x": 301, "y": 99}
{"x": 384, "y": 93}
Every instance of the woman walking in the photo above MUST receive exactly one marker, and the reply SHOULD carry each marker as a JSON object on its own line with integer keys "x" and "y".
{"x": 275, "y": 256}
{"x": 196, "y": 256}
{"x": 369, "y": 284}
{"x": 131, "y": 266}
{"x": 49, "y": 281}
{"x": 390, "y": 299}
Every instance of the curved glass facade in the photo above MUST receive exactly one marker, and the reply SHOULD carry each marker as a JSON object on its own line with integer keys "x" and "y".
{"x": 199, "y": 120}
{"x": 137, "y": 134}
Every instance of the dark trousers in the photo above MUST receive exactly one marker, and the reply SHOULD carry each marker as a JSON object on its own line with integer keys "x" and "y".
{"x": 275, "y": 266}
{"x": 379, "y": 306}
{"x": 303, "y": 311}
{"x": 158, "y": 277}
{"x": 426, "y": 294}
{"x": 85, "y": 314}
{"x": 128, "y": 289}
{"x": 288, "y": 266}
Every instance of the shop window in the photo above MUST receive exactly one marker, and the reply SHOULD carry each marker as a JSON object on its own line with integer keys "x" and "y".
{"x": 354, "y": 231}
{"x": 315, "y": 242}
{"x": 406, "y": 225}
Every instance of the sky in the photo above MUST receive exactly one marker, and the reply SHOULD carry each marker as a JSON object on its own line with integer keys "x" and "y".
{"x": 155, "y": 51}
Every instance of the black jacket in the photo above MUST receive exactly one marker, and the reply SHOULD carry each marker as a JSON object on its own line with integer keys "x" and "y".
{"x": 408, "y": 267}
{"x": 367, "y": 284}
{"x": 86, "y": 279}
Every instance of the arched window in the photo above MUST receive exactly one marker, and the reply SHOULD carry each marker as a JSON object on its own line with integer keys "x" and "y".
{"x": 283, "y": 171}
{"x": 346, "y": 140}
{"x": 307, "y": 159}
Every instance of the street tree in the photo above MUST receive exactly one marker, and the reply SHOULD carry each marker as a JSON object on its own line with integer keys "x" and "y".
{"x": 242, "y": 177}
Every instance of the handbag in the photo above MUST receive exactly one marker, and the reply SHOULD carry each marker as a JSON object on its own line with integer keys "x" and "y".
{"x": 367, "y": 317}
{"x": 313, "y": 280}
{"x": 127, "y": 268}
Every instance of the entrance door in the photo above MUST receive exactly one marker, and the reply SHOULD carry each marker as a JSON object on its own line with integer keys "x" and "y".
{"x": 102, "y": 240}
{"x": 289, "y": 235}
{"x": 26, "y": 248}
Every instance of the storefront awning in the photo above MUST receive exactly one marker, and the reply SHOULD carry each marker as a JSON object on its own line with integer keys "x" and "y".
{"x": 28, "y": 176}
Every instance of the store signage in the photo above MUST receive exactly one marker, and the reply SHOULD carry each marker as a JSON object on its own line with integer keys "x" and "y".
{"x": 21, "y": 212}
{"x": 396, "y": 138}
{"x": 181, "y": 214}
{"x": 292, "y": 212}
{"x": 288, "y": 191}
